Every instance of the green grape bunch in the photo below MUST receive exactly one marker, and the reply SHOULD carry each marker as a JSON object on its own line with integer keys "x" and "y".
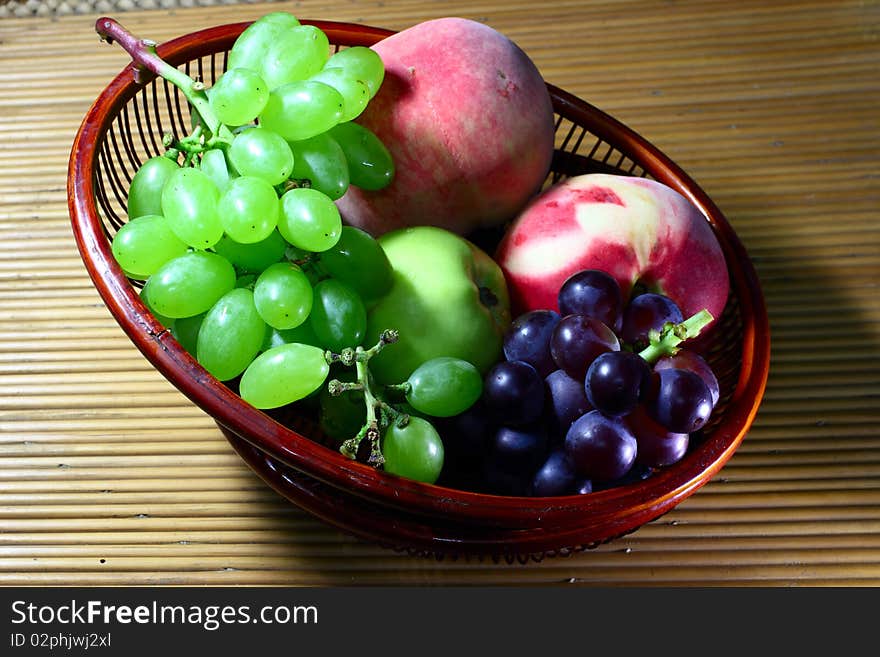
{"x": 244, "y": 256}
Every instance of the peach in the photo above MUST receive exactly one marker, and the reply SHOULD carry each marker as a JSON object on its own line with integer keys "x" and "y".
{"x": 637, "y": 230}
{"x": 469, "y": 123}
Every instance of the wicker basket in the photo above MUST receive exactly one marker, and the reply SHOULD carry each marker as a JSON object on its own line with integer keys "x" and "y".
{"x": 125, "y": 126}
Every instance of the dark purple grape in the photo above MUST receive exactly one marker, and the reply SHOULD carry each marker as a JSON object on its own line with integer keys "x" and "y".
{"x": 686, "y": 359}
{"x": 658, "y": 447}
{"x": 519, "y": 450}
{"x": 600, "y": 448}
{"x": 584, "y": 486}
{"x": 637, "y": 473}
{"x": 514, "y": 392}
{"x": 566, "y": 401}
{"x": 616, "y": 382}
{"x": 555, "y": 477}
{"x": 577, "y": 340}
{"x": 592, "y": 293}
{"x": 498, "y": 481}
{"x": 467, "y": 433}
{"x": 680, "y": 401}
{"x": 528, "y": 339}
{"x": 645, "y": 313}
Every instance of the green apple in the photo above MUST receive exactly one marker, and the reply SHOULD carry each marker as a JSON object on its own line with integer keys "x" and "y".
{"x": 448, "y": 298}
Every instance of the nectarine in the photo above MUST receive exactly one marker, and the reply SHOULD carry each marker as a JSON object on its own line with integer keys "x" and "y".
{"x": 637, "y": 230}
{"x": 468, "y": 120}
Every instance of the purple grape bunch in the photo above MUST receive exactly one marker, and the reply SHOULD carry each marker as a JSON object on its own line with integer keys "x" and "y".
{"x": 593, "y": 396}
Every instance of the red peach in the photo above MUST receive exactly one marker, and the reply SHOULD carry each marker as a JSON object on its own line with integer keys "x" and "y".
{"x": 637, "y": 230}
{"x": 469, "y": 123}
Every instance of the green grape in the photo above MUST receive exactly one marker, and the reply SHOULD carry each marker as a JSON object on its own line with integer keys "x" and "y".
{"x": 280, "y": 51}
{"x": 294, "y": 55}
{"x": 362, "y": 63}
{"x": 414, "y": 451}
{"x": 189, "y": 284}
{"x": 246, "y": 281}
{"x": 231, "y": 335}
{"x": 195, "y": 117}
{"x": 321, "y": 162}
{"x": 249, "y": 209}
{"x": 262, "y": 153}
{"x": 214, "y": 165}
{"x": 283, "y": 296}
{"x": 145, "y": 192}
{"x": 359, "y": 260}
{"x": 250, "y": 47}
{"x": 309, "y": 220}
{"x": 370, "y": 165}
{"x": 189, "y": 203}
{"x": 186, "y": 331}
{"x": 302, "y": 334}
{"x": 238, "y": 96}
{"x": 338, "y": 316}
{"x": 355, "y": 93}
{"x": 302, "y": 109}
{"x": 280, "y": 19}
{"x": 342, "y": 416}
{"x": 167, "y": 322}
{"x": 144, "y": 244}
{"x": 254, "y": 257}
{"x": 283, "y": 374}
{"x": 444, "y": 386}
{"x": 237, "y": 130}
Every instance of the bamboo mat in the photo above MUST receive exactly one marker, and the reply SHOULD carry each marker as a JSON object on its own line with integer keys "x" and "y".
{"x": 110, "y": 476}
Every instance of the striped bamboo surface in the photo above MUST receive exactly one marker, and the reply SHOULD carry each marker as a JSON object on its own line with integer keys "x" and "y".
{"x": 109, "y": 476}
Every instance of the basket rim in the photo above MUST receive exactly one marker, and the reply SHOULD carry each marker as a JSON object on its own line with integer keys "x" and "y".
{"x": 642, "y": 501}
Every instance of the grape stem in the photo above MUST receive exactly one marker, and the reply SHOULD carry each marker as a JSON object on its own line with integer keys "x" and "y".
{"x": 400, "y": 388}
{"x": 666, "y": 341}
{"x": 146, "y": 60}
{"x": 346, "y": 357}
{"x": 379, "y": 413}
{"x": 297, "y": 183}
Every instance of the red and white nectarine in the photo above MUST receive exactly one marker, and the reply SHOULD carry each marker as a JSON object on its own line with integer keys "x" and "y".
{"x": 637, "y": 230}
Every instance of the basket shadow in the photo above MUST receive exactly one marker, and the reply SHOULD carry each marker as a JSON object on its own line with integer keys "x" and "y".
{"x": 821, "y": 407}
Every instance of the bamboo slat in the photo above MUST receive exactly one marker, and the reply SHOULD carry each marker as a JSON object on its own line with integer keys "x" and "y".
{"x": 109, "y": 476}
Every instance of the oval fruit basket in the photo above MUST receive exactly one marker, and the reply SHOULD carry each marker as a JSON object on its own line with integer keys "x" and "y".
{"x": 125, "y": 126}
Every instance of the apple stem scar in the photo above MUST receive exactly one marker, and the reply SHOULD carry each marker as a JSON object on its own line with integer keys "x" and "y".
{"x": 487, "y": 297}
{"x": 666, "y": 341}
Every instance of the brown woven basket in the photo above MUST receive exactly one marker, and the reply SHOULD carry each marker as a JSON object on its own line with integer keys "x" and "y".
{"x": 125, "y": 126}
